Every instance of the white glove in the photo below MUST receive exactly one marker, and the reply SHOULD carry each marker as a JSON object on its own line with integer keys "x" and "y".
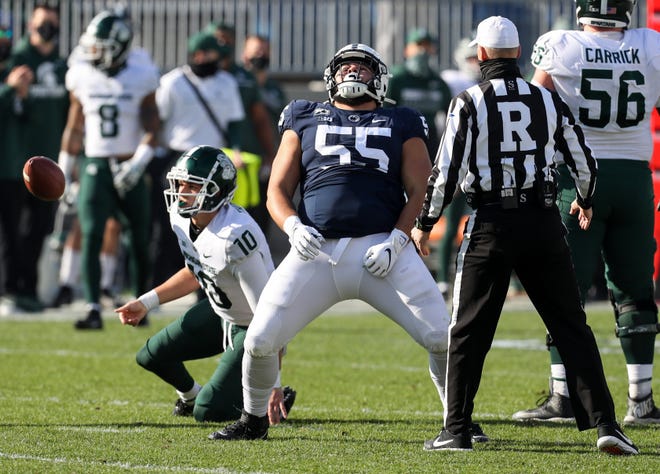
{"x": 380, "y": 258}
{"x": 127, "y": 174}
{"x": 305, "y": 239}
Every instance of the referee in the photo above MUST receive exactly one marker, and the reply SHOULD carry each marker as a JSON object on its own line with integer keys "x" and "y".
{"x": 502, "y": 142}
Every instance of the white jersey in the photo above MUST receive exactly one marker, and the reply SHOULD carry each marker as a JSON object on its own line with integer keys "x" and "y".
{"x": 112, "y": 105}
{"x": 610, "y": 82}
{"x": 228, "y": 241}
{"x": 185, "y": 121}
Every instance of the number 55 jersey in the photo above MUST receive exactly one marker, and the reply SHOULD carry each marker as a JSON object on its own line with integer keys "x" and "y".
{"x": 351, "y": 165}
{"x": 617, "y": 88}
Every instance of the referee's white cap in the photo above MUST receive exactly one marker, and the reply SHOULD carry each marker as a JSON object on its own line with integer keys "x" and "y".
{"x": 496, "y": 32}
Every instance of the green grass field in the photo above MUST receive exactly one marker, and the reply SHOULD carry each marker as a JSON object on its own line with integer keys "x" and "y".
{"x": 77, "y": 402}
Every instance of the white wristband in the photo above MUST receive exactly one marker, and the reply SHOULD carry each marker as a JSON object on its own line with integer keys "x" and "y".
{"x": 278, "y": 380}
{"x": 66, "y": 161}
{"x": 143, "y": 155}
{"x": 289, "y": 223}
{"x": 150, "y": 300}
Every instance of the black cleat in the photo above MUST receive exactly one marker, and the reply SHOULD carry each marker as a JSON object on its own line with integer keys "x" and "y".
{"x": 92, "y": 321}
{"x": 248, "y": 427}
{"x": 554, "y": 408}
{"x": 446, "y": 441}
{"x": 183, "y": 408}
{"x": 64, "y": 297}
{"x": 611, "y": 440}
{"x": 289, "y": 400}
{"x": 477, "y": 434}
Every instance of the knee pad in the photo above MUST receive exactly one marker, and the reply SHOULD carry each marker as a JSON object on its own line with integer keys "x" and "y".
{"x": 436, "y": 341}
{"x": 634, "y": 318}
{"x": 258, "y": 346}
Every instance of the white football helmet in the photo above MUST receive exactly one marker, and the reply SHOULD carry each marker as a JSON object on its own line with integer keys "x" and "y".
{"x": 352, "y": 87}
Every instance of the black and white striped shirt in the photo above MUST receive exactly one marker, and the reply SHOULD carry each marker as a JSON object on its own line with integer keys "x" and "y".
{"x": 506, "y": 132}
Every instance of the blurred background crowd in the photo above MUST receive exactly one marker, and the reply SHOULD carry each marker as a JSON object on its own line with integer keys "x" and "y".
{"x": 275, "y": 50}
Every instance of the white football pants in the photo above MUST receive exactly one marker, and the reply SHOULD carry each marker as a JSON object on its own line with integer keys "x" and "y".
{"x": 299, "y": 291}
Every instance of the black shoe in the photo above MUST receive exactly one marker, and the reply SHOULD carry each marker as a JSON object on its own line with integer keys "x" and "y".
{"x": 553, "y": 408}
{"x": 289, "y": 400}
{"x": 92, "y": 321}
{"x": 183, "y": 408}
{"x": 611, "y": 440}
{"x": 447, "y": 441}
{"x": 248, "y": 427}
{"x": 64, "y": 297}
{"x": 477, "y": 434}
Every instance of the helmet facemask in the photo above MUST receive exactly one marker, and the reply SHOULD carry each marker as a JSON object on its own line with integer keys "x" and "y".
{"x": 106, "y": 41}
{"x": 352, "y": 89}
{"x": 207, "y": 167}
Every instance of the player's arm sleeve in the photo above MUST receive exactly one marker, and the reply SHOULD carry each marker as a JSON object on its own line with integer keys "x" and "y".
{"x": 450, "y": 164}
{"x": 252, "y": 276}
{"x": 576, "y": 154}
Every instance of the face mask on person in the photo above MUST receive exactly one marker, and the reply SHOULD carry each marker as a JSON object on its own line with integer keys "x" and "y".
{"x": 418, "y": 65}
{"x": 259, "y": 63}
{"x": 204, "y": 69}
{"x": 48, "y": 31}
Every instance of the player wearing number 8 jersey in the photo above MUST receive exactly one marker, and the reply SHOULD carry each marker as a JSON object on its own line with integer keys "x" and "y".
{"x": 113, "y": 113}
{"x": 609, "y": 75}
{"x": 225, "y": 254}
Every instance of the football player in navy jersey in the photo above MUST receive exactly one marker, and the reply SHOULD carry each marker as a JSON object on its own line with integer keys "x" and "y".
{"x": 362, "y": 171}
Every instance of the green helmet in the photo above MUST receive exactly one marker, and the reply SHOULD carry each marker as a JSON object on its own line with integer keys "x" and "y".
{"x": 609, "y": 14}
{"x": 208, "y": 167}
{"x": 106, "y": 41}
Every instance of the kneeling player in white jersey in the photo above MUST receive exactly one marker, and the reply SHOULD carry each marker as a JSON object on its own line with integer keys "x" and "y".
{"x": 227, "y": 255}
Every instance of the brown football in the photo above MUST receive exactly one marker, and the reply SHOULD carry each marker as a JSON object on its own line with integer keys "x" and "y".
{"x": 43, "y": 178}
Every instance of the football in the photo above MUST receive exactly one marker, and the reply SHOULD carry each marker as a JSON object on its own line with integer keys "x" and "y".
{"x": 43, "y": 178}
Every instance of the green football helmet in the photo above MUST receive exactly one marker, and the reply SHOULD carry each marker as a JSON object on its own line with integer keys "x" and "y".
{"x": 610, "y": 13}
{"x": 106, "y": 41}
{"x": 212, "y": 170}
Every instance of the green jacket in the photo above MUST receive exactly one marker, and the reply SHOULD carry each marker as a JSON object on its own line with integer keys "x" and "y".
{"x": 47, "y": 104}
{"x": 11, "y": 160}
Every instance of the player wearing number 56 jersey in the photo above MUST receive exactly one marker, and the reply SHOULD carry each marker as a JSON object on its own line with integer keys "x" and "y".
{"x": 113, "y": 112}
{"x": 609, "y": 75}
{"x": 362, "y": 173}
{"x": 226, "y": 255}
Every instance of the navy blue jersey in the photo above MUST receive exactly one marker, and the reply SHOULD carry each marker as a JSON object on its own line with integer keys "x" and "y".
{"x": 351, "y": 182}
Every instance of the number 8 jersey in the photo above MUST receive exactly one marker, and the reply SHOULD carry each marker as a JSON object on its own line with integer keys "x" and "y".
{"x": 111, "y": 105}
{"x": 617, "y": 88}
{"x": 351, "y": 165}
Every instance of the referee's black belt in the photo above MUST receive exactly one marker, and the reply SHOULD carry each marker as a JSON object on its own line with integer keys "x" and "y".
{"x": 525, "y": 198}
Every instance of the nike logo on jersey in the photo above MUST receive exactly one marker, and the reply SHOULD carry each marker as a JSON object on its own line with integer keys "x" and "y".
{"x": 376, "y": 120}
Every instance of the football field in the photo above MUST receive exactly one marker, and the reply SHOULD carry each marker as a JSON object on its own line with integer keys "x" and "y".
{"x": 76, "y": 402}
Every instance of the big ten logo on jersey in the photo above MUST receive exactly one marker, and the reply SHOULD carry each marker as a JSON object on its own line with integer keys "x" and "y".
{"x": 322, "y": 115}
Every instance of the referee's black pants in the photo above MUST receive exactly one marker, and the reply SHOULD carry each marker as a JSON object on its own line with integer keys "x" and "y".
{"x": 530, "y": 241}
